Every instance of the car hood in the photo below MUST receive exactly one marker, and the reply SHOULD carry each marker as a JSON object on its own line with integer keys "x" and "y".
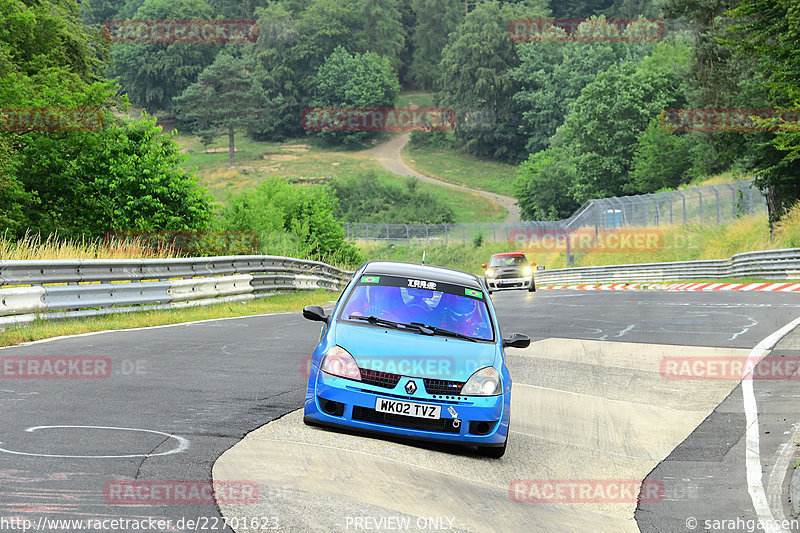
{"x": 413, "y": 354}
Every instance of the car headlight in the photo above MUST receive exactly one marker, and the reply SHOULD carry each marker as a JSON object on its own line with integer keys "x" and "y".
{"x": 484, "y": 382}
{"x": 489, "y": 273}
{"x": 339, "y": 362}
{"x": 527, "y": 271}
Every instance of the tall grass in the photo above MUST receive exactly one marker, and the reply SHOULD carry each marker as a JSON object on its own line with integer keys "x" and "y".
{"x": 678, "y": 243}
{"x": 33, "y": 247}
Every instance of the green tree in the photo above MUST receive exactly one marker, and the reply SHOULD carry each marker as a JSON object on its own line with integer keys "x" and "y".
{"x": 542, "y": 185}
{"x": 383, "y": 31}
{"x": 605, "y": 122}
{"x": 552, "y": 75}
{"x": 125, "y": 176}
{"x": 225, "y": 97}
{"x": 662, "y": 160}
{"x": 286, "y": 68}
{"x": 771, "y": 30}
{"x": 435, "y": 21}
{"x": 354, "y": 80}
{"x": 154, "y": 73}
{"x": 473, "y": 80}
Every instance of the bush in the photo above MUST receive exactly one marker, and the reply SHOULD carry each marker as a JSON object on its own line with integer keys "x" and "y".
{"x": 369, "y": 198}
{"x": 292, "y": 221}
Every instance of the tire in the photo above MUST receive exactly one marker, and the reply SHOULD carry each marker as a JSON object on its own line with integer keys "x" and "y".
{"x": 495, "y": 452}
{"x": 532, "y": 288}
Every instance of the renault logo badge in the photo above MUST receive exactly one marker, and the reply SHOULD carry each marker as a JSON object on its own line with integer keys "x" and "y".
{"x": 411, "y": 387}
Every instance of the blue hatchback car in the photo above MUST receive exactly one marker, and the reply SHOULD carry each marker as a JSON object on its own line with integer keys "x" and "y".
{"x": 413, "y": 351}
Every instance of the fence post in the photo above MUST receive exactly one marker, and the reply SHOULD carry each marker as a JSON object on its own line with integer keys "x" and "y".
{"x": 366, "y": 232}
{"x": 701, "y": 204}
{"x": 716, "y": 196}
{"x": 464, "y": 234}
{"x": 408, "y": 237}
{"x": 445, "y": 234}
{"x": 427, "y": 235}
{"x": 670, "y": 208}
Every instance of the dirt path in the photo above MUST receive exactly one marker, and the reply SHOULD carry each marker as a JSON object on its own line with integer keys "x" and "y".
{"x": 389, "y": 154}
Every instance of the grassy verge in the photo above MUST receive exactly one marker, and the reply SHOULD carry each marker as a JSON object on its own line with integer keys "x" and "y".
{"x": 43, "y": 329}
{"x": 680, "y": 243}
{"x": 457, "y": 166}
{"x": 417, "y": 98}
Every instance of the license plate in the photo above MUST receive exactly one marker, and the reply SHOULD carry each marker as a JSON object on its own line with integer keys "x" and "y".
{"x": 418, "y": 410}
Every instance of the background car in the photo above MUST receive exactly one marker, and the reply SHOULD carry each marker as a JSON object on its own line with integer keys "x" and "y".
{"x": 509, "y": 271}
{"x": 413, "y": 351}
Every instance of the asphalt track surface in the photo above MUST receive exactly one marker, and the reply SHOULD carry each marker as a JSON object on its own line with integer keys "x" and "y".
{"x": 209, "y": 384}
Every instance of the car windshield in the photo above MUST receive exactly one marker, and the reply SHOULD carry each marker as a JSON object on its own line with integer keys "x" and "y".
{"x": 465, "y": 313}
{"x": 508, "y": 261}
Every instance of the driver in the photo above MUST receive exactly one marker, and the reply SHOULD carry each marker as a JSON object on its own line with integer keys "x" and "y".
{"x": 386, "y": 302}
{"x": 461, "y": 315}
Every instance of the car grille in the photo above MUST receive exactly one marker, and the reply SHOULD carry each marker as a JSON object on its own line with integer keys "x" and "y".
{"x": 509, "y": 275}
{"x": 365, "y": 414}
{"x": 379, "y": 379}
{"x": 441, "y": 386}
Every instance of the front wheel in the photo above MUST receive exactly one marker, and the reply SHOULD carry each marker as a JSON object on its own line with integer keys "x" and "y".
{"x": 532, "y": 288}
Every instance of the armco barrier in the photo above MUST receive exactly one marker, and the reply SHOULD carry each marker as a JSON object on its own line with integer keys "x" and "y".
{"x": 769, "y": 264}
{"x": 86, "y": 287}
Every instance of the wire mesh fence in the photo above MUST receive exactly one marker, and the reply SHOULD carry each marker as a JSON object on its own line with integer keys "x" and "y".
{"x": 706, "y": 205}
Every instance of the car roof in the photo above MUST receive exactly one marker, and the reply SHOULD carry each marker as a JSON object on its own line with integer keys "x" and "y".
{"x": 509, "y": 254}
{"x": 424, "y": 272}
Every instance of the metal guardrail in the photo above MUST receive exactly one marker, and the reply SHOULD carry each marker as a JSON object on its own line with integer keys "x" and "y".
{"x": 88, "y": 287}
{"x": 770, "y": 264}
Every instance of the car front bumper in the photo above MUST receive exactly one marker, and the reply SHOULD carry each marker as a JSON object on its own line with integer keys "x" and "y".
{"x": 494, "y": 284}
{"x": 355, "y": 409}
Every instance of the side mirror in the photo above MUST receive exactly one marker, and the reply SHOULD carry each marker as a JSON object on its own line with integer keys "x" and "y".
{"x": 315, "y": 313}
{"x": 517, "y": 340}
{"x": 483, "y": 265}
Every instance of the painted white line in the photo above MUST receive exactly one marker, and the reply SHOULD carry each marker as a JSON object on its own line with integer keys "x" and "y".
{"x": 783, "y": 457}
{"x": 90, "y": 333}
{"x": 755, "y": 486}
{"x": 183, "y": 444}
